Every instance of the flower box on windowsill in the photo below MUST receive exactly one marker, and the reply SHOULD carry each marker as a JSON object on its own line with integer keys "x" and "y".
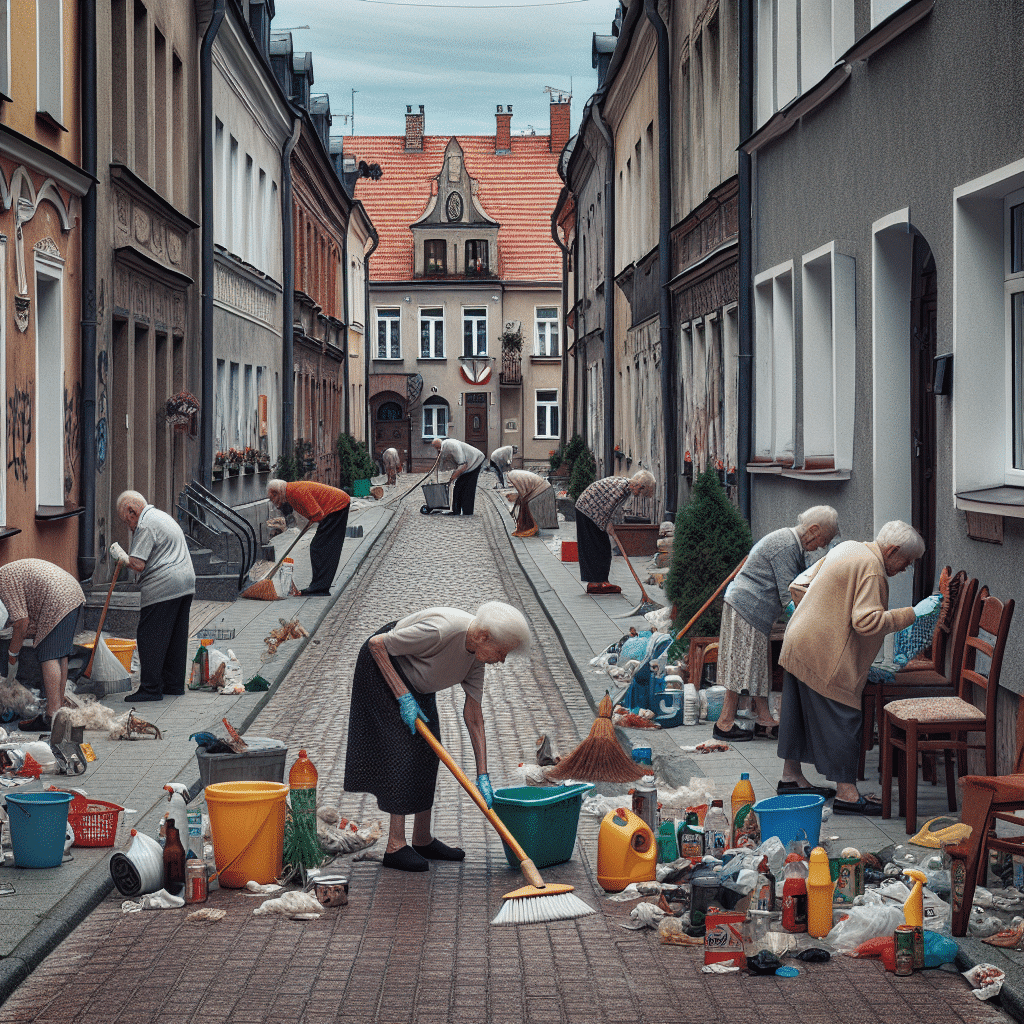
{"x": 248, "y": 467}
{"x": 218, "y": 472}
{"x": 233, "y": 469}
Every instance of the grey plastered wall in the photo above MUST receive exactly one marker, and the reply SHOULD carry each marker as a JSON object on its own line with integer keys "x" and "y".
{"x": 936, "y": 108}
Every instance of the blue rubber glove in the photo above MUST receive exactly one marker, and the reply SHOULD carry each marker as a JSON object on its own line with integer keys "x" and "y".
{"x": 483, "y": 783}
{"x": 790, "y": 608}
{"x": 929, "y": 606}
{"x": 410, "y": 711}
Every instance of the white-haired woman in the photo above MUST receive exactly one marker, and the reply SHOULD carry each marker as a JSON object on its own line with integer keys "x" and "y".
{"x": 753, "y": 601}
{"x": 528, "y": 486}
{"x": 596, "y": 508}
{"x": 398, "y": 671}
{"x": 840, "y": 621}
{"x": 392, "y": 464}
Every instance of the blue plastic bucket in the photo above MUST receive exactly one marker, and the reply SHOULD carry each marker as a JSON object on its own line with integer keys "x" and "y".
{"x": 38, "y": 823}
{"x": 791, "y": 816}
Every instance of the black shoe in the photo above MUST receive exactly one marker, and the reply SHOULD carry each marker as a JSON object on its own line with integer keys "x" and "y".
{"x": 786, "y": 787}
{"x": 41, "y": 723}
{"x": 859, "y": 806}
{"x": 139, "y": 696}
{"x": 175, "y": 693}
{"x": 436, "y": 850}
{"x": 734, "y": 735}
{"x": 406, "y": 859}
{"x": 314, "y": 593}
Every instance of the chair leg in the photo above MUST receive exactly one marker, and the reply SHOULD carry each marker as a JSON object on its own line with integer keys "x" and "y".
{"x": 910, "y": 767}
{"x": 967, "y": 857}
{"x": 928, "y": 773}
{"x": 947, "y": 757}
{"x": 883, "y": 724}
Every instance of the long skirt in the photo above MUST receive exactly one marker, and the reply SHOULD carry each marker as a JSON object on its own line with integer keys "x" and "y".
{"x": 742, "y": 655}
{"x": 595, "y": 550}
{"x": 60, "y": 641}
{"x": 814, "y": 729}
{"x": 383, "y": 757}
{"x": 464, "y": 493}
{"x": 325, "y": 550}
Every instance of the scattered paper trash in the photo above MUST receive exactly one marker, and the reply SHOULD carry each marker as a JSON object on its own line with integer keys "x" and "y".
{"x": 986, "y": 980}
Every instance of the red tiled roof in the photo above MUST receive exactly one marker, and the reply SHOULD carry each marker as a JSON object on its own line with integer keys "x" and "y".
{"x": 518, "y": 190}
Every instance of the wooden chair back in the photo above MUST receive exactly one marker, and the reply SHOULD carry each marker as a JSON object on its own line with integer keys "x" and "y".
{"x": 992, "y": 616}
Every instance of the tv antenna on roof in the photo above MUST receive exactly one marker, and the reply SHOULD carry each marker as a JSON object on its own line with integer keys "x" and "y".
{"x": 558, "y": 95}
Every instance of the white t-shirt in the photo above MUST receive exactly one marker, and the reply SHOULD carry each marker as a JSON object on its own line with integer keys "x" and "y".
{"x": 458, "y": 452}
{"x": 430, "y": 648}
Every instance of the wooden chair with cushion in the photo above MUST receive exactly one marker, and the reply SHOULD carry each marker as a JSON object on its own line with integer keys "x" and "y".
{"x": 925, "y": 677}
{"x": 947, "y": 724}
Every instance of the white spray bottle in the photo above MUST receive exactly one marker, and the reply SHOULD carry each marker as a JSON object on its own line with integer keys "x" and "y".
{"x": 177, "y": 797}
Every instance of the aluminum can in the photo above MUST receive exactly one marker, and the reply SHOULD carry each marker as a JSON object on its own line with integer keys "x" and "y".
{"x": 645, "y": 805}
{"x": 918, "y": 947}
{"x": 904, "y": 941}
{"x": 195, "y": 881}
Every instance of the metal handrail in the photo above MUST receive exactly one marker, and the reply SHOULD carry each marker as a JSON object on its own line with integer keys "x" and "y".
{"x": 234, "y": 525}
{"x": 227, "y": 512}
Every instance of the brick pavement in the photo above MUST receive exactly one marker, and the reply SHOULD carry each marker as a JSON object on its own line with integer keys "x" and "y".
{"x": 411, "y": 948}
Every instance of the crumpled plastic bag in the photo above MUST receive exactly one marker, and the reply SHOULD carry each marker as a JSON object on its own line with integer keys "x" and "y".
{"x": 765, "y": 962}
{"x": 635, "y": 891}
{"x": 644, "y": 915}
{"x": 159, "y": 900}
{"x": 231, "y": 681}
{"x": 262, "y": 888}
{"x": 206, "y": 914}
{"x": 299, "y": 906}
{"x": 862, "y": 923}
{"x": 17, "y": 697}
{"x": 341, "y": 840}
{"x": 725, "y": 967}
{"x": 529, "y": 775}
{"x": 986, "y": 980}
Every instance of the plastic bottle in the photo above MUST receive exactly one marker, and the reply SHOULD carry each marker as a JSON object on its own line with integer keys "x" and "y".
{"x": 690, "y": 837}
{"x": 820, "y": 890}
{"x": 742, "y": 796}
{"x": 302, "y": 782}
{"x": 177, "y": 797}
{"x": 765, "y": 891}
{"x": 913, "y": 908}
{"x": 716, "y": 830}
{"x": 174, "y": 861}
{"x": 794, "y": 894}
{"x": 195, "y": 679}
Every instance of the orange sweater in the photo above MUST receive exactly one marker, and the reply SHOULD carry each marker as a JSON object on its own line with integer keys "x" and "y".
{"x": 314, "y": 501}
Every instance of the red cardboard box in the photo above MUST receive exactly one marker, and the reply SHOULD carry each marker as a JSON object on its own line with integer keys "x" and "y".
{"x": 723, "y": 938}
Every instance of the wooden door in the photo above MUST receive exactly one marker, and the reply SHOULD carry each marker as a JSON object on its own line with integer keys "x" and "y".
{"x": 392, "y": 429}
{"x": 923, "y": 322}
{"x": 476, "y": 420}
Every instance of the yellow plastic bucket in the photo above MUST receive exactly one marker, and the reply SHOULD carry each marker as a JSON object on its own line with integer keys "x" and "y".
{"x": 247, "y": 825}
{"x": 121, "y": 649}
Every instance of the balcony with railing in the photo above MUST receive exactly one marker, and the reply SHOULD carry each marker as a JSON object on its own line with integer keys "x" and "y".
{"x": 511, "y": 368}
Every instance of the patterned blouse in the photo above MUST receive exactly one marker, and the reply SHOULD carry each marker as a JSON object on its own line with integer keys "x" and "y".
{"x": 603, "y": 498}
{"x": 39, "y": 591}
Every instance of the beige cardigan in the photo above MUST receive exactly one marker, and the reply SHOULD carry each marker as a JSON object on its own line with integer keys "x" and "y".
{"x": 840, "y": 621}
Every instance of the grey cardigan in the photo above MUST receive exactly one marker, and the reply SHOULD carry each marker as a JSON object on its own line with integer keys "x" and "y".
{"x": 761, "y": 590}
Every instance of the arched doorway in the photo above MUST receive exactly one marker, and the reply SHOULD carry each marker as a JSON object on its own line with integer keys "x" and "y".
{"x": 392, "y": 427}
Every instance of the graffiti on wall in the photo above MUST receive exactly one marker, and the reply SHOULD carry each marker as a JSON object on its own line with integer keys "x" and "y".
{"x": 19, "y": 431}
{"x": 102, "y": 372}
{"x": 72, "y": 433}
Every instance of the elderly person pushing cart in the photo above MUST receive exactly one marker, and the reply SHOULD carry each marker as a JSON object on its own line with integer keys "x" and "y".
{"x": 398, "y": 672}
{"x": 528, "y": 486}
{"x": 597, "y": 507}
{"x": 468, "y": 461}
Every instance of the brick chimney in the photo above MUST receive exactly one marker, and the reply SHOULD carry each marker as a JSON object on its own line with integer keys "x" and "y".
{"x": 503, "y": 129}
{"x": 413, "y": 130}
{"x": 559, "y": 123}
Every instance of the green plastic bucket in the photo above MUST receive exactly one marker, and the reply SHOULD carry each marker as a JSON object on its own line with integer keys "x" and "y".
{"x": 542, "y": 819}
{"x": 38, "y": 823}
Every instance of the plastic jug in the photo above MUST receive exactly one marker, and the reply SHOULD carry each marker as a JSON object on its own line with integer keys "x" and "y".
{"x": 746, "y": 829}
{"x": 742, "y": 796}
{"x": 716, "y": 830}
{"x": 820, "y": 889}
{"x": 690, "y": 837}
{"x": 794, "y": 894}
{"x": 913, "y": 908}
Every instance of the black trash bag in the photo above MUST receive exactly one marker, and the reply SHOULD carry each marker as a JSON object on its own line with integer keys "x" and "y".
{"x": 813, "y": 956}
{"x": 766, "y": 962}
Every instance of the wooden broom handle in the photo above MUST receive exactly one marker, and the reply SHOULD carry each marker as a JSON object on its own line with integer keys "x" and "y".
{"x": 707, "y": 604}
{"x": 499, "y": 825}
{"x": 287, "y": 551}
{"x": 103, "y": 616}
{"x": 615, "y": 537}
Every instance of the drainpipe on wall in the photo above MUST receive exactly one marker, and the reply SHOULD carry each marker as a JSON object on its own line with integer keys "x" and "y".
{"x": 288, "y": 287}
{"x": 206, "y": 116}
{"x": 608, "y": 376}
{"x": 366, "y": 339}
{"x": 744, "y": 412}
{"x": 344, "y": 313}
{"x": 668, "y": 354}
{"x": 565, "y": 299}
{"x": 87, "y": 490}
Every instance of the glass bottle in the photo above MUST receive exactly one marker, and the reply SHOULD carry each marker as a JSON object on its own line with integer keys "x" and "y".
{"x": 174, "y": 861}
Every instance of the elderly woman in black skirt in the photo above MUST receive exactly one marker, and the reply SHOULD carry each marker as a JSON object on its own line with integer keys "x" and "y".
{"x": 399, "y": 670}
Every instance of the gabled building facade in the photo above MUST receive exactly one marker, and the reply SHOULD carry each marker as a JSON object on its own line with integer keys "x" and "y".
{"x": 465, "y": 288}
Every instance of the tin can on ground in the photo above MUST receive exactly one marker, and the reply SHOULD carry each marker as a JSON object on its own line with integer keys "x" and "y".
{"x": 645, "y": 805}
{"x": 642, "y": 754}
{"x": 904, "y": 941}
{"x": 195, "y": 881}
{"x": 918, "y": 947}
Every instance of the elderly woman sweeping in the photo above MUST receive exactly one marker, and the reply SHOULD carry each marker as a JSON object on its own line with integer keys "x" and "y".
{"x": 42, "y": 601}
{"x": 398, "y": 672}
{"x": 528, "y": 486}
{"x": 597, "y": 507}
{"x": 753, "y": 601}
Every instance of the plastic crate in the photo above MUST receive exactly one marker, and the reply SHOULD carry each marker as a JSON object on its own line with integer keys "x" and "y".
{"x": 435, "y": 496}
{"x": 542, "y": 819}
{"x": 262, "y": 762}
{"x": 94, "y": 822}
{"x": 215, "y": 634}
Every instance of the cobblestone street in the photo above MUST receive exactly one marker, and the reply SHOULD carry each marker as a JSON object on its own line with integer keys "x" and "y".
{"x": 419, "y": 947}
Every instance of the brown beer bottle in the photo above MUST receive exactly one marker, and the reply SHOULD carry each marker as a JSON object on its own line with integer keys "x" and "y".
{"x": 174, "y": 861}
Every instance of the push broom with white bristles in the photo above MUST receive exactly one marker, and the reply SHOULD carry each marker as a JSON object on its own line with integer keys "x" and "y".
{"x": 536, "y": 902}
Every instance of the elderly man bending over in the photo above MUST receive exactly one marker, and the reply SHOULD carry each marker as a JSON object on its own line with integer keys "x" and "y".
{"x": 468, "y": 461}
{"x": 841, "y": 618}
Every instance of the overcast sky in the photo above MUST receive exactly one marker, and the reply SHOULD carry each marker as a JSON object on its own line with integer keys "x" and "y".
{"x": 459, "y": 59}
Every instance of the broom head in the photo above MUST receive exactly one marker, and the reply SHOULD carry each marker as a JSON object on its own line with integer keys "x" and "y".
{"x": 599, "y": 758}
{"x": 262, "y": 590}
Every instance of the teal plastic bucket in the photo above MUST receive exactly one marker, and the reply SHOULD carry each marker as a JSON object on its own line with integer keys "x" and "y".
{"x": 38, "y": 823}
{"x": 791, "y": 816}
{"x": 542, "y": 819}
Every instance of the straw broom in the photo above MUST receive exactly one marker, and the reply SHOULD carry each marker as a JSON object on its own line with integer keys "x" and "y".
{"x": 264, "y": 589}
{"x": 535, "y": 902}
{"x": 599, "y": 758}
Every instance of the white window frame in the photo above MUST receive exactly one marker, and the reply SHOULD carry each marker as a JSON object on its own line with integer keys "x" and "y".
{"x": 432, "y": 317}
{"x": 544, "y": 344}
{"x": 50, "y": 58}
{"x": 549, "y": 405}
{"x": 429, "y": 419}
{"x": 774, "y": 346}
{"x": 394, "y": 333}
{"x": 475, "y": 315}
{"x": 48, "y": 414}
{"x": 828, "y": 335}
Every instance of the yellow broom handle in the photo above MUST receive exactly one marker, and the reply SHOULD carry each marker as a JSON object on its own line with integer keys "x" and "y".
{"x": 460, "y": 777}
{"x": 707, "y": 604}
